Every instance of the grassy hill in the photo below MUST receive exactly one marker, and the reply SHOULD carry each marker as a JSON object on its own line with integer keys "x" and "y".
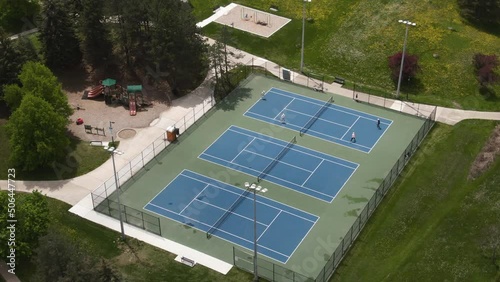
{"x": 435, "y": 224}
{"x": 353, "y": 38}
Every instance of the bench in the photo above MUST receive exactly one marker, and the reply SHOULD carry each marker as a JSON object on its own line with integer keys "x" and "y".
{"x": 188, "y": 262}
{"x": 339, "y": 80}
{"x": 88, "y": 128}
{"x": 97, "y": 129}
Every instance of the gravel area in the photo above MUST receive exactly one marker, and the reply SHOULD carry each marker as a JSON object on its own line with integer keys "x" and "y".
{"x": 96, "y": 113}
{"x": 245, "y": 18}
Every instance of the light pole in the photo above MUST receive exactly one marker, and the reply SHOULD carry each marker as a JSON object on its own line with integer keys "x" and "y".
{"x": 111, "y": 132}
{"x": 255, "y": 189}
{"x": 303, "y": 31}
{"x": 408, "y": 24}
{"x": 112, "y": 150}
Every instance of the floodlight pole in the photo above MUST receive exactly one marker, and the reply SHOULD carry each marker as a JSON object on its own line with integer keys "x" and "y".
{"x": 111, "y": 132}
{"x": 255, "y": 189}
{"x": 408, "y": 24}
{"x": 112, "y": 152}
{"x": 303, "y": 33}
{"x": 255, "y": 275}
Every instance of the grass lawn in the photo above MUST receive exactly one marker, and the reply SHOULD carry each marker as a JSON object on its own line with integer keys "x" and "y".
{"x": 435, "y": 223}
{"x": 353, "y": 38}
{"x": 135, "y": 260}
{"x": 81, "y": 158}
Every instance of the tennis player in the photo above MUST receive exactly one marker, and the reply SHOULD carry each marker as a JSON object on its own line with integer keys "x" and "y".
{"x": 353, "y": 137}
{"x": 283, "y": 118}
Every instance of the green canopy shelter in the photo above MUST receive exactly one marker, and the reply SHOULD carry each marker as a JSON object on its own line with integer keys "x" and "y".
{"x": 108, "y": 82}
{"x": 134, "y": 88}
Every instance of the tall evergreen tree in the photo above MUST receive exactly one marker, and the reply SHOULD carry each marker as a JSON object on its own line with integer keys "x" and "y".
{"x": 10, "y": 62}
{"x": 485, "y": 13}
{"x": 179, "y": 49}
{"x": 96, "y": 45}
{"x": 60, "y": 45}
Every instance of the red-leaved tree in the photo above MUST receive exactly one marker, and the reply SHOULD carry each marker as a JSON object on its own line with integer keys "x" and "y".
{"x": 485, "y": 66}
{"x": 410, "y": 66}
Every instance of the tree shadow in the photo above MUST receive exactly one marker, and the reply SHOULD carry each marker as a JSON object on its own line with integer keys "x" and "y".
{"x": 4, "y": 110}
{"x": 488, "y": 94}
{"x": 414, "y": 86}
{"x": 231, "y": 101}
{"x": 73, "y": 80}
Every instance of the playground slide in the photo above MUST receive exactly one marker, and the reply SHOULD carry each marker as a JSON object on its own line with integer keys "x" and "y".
{"x": 132, "y": 107}
{"x": 95, "y": 92}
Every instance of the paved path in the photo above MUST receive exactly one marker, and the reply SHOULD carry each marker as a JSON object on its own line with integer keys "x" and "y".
{"x": 74, "y": 190}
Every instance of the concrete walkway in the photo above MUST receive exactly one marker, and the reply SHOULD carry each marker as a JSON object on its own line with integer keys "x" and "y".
{"x": 77, "y": 191}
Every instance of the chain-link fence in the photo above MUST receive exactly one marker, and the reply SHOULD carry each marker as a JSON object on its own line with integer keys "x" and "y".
{"x": 101, "y": 195}
{"x": 360, "y": 93}
{"x": 266, "y": 269}
{"x": 274, "y": 272}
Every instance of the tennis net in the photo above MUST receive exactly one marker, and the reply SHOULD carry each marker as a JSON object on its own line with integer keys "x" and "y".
{"x": 228, "y": 212}
{"x": 278, "y": 157}
{"x": 315, "y": 117}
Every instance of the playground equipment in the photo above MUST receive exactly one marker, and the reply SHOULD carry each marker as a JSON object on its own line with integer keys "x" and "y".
{"x": 95, "y": 92}
{"x": 113, "y": 92}
{"x": 133, "y": 91}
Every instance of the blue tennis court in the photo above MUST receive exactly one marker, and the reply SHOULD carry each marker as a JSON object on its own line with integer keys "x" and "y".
{"x": 201, "y": 202}
{"x": 334, "y": 123}
{"x": 298, "y": 168}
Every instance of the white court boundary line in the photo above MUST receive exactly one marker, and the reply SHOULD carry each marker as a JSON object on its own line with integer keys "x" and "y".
{"x": 231, "y": 234}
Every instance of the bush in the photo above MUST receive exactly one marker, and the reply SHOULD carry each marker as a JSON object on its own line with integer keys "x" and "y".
{"x": 410, "y": 67}
{"x": 485, "y": 66}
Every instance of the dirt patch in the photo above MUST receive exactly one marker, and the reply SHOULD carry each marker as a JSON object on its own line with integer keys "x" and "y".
{"x": 487, "y": 156}
{"x": 456, "y": 105}
{"x": 127, "y": 133}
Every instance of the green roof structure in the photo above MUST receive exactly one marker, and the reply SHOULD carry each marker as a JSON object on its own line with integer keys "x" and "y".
{"x": 134, "y": 88}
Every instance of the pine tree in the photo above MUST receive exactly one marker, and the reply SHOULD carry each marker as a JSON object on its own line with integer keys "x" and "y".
{"x": 61, "y": 47}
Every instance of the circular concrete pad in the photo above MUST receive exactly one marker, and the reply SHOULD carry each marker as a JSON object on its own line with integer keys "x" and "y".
{"x": 127, "y": 133}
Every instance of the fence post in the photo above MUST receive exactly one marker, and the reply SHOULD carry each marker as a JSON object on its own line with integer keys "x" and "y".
{"x": 203, "y": 105}
{"x": 130, "y": 164}
{"x": 142, "y": 158}
{"x": 194, "y": 116}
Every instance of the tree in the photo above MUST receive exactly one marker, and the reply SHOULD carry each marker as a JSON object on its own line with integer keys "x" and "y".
{"x": 27, "y": 49}
{"x": 13, "y": 95}
{"x": 37, "y": 134}
{"x": 69, "y": 262}
{"x": 96, "y": 46}
{"x": 178, "y": 47}
{"x": 61, "y": 47}
{"x": 37, "y": 80}
{"x": 14, "y": 13}
{"x": 10, "y": 61}
{"x": 485, "y": 66}
{"x": 132, "y": 29}
{"x": 220, "y": 62}
{"x": 410, "y": 66}
{"x": 481, "y": 12}
{"x": 32, "y": 215}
